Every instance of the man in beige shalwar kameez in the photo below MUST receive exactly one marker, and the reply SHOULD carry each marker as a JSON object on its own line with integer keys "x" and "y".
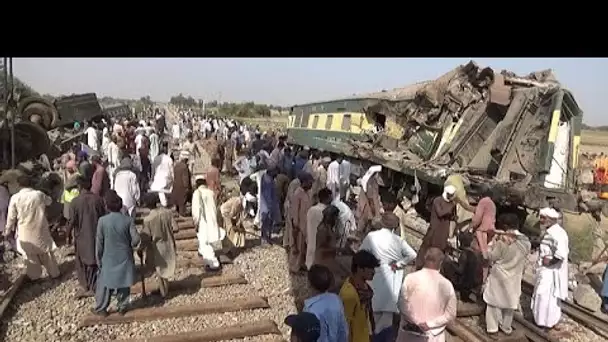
{"x": 502, "y": 292}
{"x": 26, "y": 215}
{"x": 231, "y": 216}
{"x": 288, "y": 233}
{"x": 298, "y": 210}
{"x": 368, "y": 203}
{"x": 320, "y": 176}
{"x": 158, "y": 229}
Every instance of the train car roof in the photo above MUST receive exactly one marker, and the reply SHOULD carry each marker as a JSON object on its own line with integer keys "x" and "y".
{"x": 544, "y": 78}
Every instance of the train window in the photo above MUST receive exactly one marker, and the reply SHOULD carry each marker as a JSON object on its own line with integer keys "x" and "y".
{"x": 346, "y": 122}
{"x": 315, "y": 121}
{"x": 328, "y": 122}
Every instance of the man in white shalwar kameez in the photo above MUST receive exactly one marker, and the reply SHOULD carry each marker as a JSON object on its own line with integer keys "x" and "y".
{"x": 154, "y": 144}
{"x": 551, "y": 272}
{"x": 204, "y": 215}
{"x": 139, "y": 140}
{"x": 333, "y": 179}
{"x": 162, "y": 176}
{"x": 394, "y": 254}
{"x": 113, "y": 159}
{"x": 127, "y": 186}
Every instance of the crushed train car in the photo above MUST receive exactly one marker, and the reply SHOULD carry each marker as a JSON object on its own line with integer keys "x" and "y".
{"x": 118, "y": 111}
{"x": 518, "y": 135}
{"x": 39, "y": 123}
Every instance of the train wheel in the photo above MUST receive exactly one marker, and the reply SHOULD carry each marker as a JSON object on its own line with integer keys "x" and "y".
{"x": 31, "y": 140}
{"x": 39, "y": 111}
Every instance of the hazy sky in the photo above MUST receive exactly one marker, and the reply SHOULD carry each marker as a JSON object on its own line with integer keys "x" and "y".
{"x": 287, "y": 81}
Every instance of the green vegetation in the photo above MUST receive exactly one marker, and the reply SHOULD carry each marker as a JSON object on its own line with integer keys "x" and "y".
{"x": 245, "y": 109}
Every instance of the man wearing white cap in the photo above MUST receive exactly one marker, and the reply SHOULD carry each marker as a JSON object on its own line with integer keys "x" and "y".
{"x": 204, "y": 214}
{"x": 551, "y": 272}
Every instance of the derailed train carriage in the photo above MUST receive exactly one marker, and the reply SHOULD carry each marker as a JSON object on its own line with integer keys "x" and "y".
{"x": 518, "y": 136}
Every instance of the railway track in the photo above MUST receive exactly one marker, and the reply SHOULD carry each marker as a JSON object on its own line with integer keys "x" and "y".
{"x": 248, "y": 304}
{"x": 577, "y": 313}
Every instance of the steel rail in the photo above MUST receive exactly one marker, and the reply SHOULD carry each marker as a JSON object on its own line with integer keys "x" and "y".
{"x": 579, "y": 314}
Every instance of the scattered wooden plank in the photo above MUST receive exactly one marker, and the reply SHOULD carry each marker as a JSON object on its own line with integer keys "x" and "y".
{"x": 156, "y": 313}
{"x": 468, "y": 309}
{"x": 263, "y": 327}
{"x": 10, "y": 294}
{"x": 230, "y": 279}
{"x": 185, "y": 234}
{"x": 191, "y": 283}
{"x": 190, "y": 263}
{"x": 187, "y": 245}
{"x": 140, "y": 220}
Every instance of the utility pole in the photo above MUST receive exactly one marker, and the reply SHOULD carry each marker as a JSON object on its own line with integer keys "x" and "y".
{"x": 9, "y": 105}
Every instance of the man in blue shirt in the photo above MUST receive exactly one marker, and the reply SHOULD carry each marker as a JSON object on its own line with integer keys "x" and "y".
{"x": 326, "y": 306}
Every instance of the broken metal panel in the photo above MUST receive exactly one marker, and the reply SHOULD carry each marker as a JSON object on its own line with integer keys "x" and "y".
{"x": 491, "y": 128}
{"x": 577, "y": 124}
{"x": 522, "y": 159}
{"x": 82, "y": 107}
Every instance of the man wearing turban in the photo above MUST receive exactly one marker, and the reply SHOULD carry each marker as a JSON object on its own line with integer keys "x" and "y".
{"x": 551, "y": 284}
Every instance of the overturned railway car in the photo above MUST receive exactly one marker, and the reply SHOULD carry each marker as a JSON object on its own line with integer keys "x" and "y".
{"x": 519, "y": 136}
{"x": 36, "y": 116}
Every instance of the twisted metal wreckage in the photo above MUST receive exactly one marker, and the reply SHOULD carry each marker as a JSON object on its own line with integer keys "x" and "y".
{"x": 496, "y": 129}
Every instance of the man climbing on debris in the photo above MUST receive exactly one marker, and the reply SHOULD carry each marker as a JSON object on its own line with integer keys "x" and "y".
{"x": 551, "y": 273}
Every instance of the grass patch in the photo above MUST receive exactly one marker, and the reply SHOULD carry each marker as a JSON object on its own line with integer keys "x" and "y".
{"x": 580, "y": 234}
{"x": 595, "y": 138}
{"x": 581, "y": 244}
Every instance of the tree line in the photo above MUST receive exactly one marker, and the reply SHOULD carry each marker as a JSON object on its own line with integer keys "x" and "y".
{"x": 244, "y": 109}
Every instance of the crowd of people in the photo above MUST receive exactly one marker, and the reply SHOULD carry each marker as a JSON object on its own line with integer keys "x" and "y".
{"x": 307, "y": 196}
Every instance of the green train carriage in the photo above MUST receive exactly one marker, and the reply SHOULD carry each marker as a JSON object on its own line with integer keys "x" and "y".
{"x": 493, "y": 128}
